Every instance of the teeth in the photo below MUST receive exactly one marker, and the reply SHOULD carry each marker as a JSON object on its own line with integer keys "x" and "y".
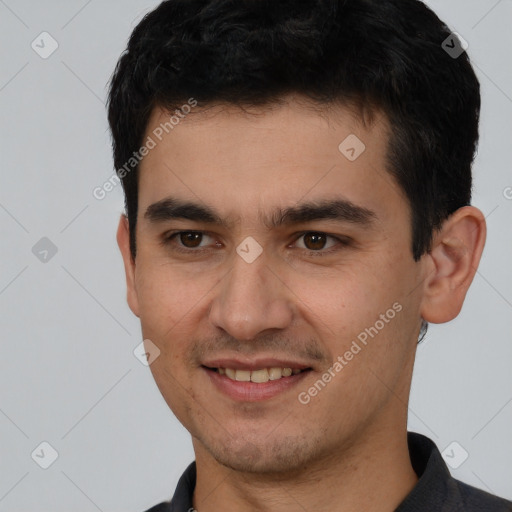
{"x": 259, "y": 376}
{"x": 275, "y": 373}
{"x": 243, "y": 375}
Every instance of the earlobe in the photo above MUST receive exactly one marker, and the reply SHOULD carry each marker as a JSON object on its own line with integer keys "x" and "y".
{"x": 454, "y": 258}
{"x": 123, "y": 241}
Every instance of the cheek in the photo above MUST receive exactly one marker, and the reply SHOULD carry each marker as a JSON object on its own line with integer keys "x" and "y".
{"x": 344, "y": 302}
{"x": 169, "y": 289}
{"x": 170, "y": 301}
{"x": 360, "y": 316}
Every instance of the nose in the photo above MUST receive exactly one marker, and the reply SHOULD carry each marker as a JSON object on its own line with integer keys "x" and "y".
{"x": 252, "y": 299}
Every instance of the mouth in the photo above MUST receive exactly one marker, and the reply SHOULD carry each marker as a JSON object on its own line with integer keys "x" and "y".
{"x": 243, "y": 383}
{"x": 259, "y": 376}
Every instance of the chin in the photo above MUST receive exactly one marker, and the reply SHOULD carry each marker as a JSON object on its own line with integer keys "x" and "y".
{"x": 266, "y": 457}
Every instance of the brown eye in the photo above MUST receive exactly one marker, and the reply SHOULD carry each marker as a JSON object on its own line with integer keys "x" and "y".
{"x": 190, "y": 242}
{"x": 315, "y": 241}
{"x": 191, "y": 239}
{"x": 318, "y": 243}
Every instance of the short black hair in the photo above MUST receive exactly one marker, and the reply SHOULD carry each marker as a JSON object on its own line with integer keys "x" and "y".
{"x": 385, "y": 55}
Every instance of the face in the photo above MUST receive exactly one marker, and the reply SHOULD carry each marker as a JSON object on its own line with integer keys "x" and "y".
{"x": 263, "y": 249}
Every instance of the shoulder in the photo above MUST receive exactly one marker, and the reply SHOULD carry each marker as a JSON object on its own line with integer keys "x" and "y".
{"x": 476, "y": 500}
{"x": 436, "y": 488}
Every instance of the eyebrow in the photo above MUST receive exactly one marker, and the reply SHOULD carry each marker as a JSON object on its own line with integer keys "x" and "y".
{"x": 341, "y": 210}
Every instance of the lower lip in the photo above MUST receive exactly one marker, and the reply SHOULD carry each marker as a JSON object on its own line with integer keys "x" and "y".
{"x": 252, "y": 391}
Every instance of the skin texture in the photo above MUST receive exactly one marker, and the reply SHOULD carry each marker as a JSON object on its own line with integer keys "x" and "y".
{"x": 346, "y": 449}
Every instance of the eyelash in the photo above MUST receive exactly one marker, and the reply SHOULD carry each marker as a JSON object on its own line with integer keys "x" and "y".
{"x": 169, "y": 239}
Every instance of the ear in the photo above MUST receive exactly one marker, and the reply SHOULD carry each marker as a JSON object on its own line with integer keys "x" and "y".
{"x": 452, "y": 264}
{"x": 123, "y": 241}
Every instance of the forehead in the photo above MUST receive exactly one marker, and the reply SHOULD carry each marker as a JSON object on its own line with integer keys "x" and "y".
{"x": 243, "y": 162}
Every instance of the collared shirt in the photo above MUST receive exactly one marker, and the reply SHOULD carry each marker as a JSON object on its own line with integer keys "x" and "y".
{"x": 435, "y": 491}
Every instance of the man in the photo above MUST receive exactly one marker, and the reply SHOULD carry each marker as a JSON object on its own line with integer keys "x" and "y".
{"x": 297, "y": 179}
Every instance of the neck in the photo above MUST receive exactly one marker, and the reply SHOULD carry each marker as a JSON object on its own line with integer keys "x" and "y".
{"x": 373, "y": 474}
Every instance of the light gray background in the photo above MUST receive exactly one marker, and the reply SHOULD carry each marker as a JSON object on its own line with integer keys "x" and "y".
{"x": 68, "y": 375}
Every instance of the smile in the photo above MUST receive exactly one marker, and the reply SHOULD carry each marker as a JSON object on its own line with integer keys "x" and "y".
{"x": 256, "y": 383}
{"x": 259, "y": 376}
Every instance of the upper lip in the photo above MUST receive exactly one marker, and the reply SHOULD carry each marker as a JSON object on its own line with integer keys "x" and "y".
{"x": 254, "y": 364}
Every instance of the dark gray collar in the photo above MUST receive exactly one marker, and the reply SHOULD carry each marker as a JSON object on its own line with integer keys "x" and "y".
{"x": 436, "y": 489}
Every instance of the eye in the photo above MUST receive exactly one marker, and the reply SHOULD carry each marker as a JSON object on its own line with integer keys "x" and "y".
{"x": 188, "y": 241}
{"x": 318, "y": 243}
